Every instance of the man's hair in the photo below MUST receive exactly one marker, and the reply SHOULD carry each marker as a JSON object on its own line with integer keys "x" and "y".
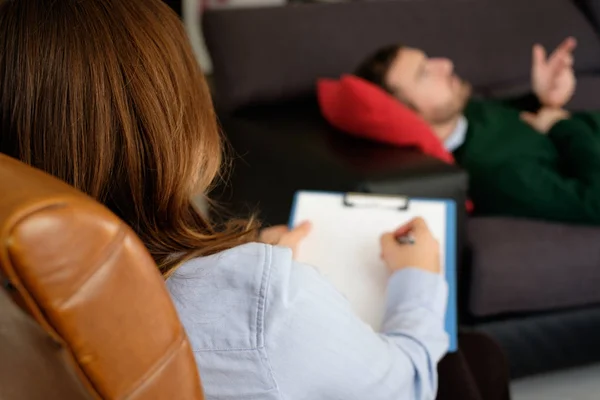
{"x": 375, "y": 68}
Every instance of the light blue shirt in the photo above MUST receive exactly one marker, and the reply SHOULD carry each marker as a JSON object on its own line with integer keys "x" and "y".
{"x": 265, "y": 327}
{"x": 458, "y": 135}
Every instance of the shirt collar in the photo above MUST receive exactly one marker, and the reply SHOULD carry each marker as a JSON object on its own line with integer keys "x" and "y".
{"x": 458, "y": 135}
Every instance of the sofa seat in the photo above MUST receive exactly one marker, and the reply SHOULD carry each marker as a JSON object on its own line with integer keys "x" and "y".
{"x": 520, "y": 266}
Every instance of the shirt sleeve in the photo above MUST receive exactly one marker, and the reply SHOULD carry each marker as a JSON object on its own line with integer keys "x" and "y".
{"x": 533, "y": 189}
{"x": 578, "y": 142}
{"x": 318, "y": 348}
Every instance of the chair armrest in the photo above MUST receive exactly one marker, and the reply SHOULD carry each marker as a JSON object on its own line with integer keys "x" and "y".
{"x": 278, "y": 153}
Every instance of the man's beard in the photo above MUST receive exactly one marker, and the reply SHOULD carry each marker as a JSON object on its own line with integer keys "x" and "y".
{"x": 456, "y": 108}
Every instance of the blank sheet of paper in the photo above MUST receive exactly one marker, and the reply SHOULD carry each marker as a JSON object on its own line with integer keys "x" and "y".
{"x": 344, "y": 244}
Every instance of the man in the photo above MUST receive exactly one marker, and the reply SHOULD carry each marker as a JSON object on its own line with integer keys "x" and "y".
{"x": 526, "y": 158}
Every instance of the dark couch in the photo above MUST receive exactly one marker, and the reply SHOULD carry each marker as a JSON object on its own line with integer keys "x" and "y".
{"x": 531, "y": 285}
{"x": 176, "y": 5}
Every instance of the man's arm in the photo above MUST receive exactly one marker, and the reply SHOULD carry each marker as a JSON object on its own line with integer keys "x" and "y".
{"x": 531, "y": 189}
{"x": 569, "y": 191}
{"x": 578, "y": 142}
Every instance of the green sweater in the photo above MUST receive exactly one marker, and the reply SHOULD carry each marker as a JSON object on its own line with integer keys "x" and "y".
{"x": 516, "y": 171}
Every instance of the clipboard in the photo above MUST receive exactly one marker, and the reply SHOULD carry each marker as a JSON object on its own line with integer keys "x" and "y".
{"x": 344, "y": 245}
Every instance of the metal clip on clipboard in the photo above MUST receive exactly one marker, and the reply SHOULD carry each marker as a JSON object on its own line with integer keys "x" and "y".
{"x": 366, "y": 200}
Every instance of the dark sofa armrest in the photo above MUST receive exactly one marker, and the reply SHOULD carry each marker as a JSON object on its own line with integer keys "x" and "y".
{"x": 279, "y": 150}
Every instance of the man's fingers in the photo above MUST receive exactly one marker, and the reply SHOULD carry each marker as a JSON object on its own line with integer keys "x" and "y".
{"x": 566, "y": 48}
{"x": 539, "y": 55}
{"x": 569, "y": 44}
{"x": 528, "y": 117}
{"x": 560, "y": 58}
{"x": 559, "y": 64}
{"x": 561, "y": 61}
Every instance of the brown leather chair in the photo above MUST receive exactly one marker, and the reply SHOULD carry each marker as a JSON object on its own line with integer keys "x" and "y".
{"x": 94, "y": 319}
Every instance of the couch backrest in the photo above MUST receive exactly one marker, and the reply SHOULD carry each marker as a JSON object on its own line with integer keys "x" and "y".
{"x": 267, "y": 54}
{"x": 90, "y": 284}
{"x": 591, "y": 8}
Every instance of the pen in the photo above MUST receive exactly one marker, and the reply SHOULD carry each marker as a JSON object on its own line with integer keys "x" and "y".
{"x": 406, "y": 239}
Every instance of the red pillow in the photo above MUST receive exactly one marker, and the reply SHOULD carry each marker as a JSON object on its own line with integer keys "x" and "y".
{"x": 358, "y": 107}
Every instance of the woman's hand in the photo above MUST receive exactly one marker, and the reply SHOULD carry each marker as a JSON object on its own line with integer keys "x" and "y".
{"x": 545, "y": 119}
{"x": 280, "y": 235}
{"x": 423, "y": 254}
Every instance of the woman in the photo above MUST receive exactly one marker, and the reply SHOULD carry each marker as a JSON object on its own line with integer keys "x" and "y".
{"x": 107, "y": 96}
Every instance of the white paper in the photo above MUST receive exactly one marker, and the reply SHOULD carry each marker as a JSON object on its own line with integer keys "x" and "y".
{"x": 344, "y": 245}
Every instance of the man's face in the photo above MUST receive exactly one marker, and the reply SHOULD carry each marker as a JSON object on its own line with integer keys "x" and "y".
{"x": 429, "y": 85}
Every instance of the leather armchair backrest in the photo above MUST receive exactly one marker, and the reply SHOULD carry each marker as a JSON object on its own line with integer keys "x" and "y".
{"x": 90, "y": 284}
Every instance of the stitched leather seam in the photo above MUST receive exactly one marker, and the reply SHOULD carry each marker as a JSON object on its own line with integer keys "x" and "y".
{"x": 110, "y": 252}
{"x": 163, "y": 361}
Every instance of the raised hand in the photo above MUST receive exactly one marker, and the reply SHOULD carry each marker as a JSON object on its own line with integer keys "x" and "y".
{"x": 553, "y": 78}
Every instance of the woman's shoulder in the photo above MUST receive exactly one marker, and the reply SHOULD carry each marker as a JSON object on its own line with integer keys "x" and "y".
{"x": 237, "y": 266}
{"x": 220, "y": 298}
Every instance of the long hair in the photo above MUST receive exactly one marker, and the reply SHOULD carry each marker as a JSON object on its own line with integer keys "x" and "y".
{"x": 107, "y": 96}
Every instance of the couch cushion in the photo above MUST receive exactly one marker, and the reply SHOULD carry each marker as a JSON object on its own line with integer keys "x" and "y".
{"x": 525, "y": 266}
{"x": 268, "y": 54}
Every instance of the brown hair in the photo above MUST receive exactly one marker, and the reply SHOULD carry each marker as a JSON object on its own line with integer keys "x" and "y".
{"x": 107, "y": 96}
{"x": 375, "y": 68}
